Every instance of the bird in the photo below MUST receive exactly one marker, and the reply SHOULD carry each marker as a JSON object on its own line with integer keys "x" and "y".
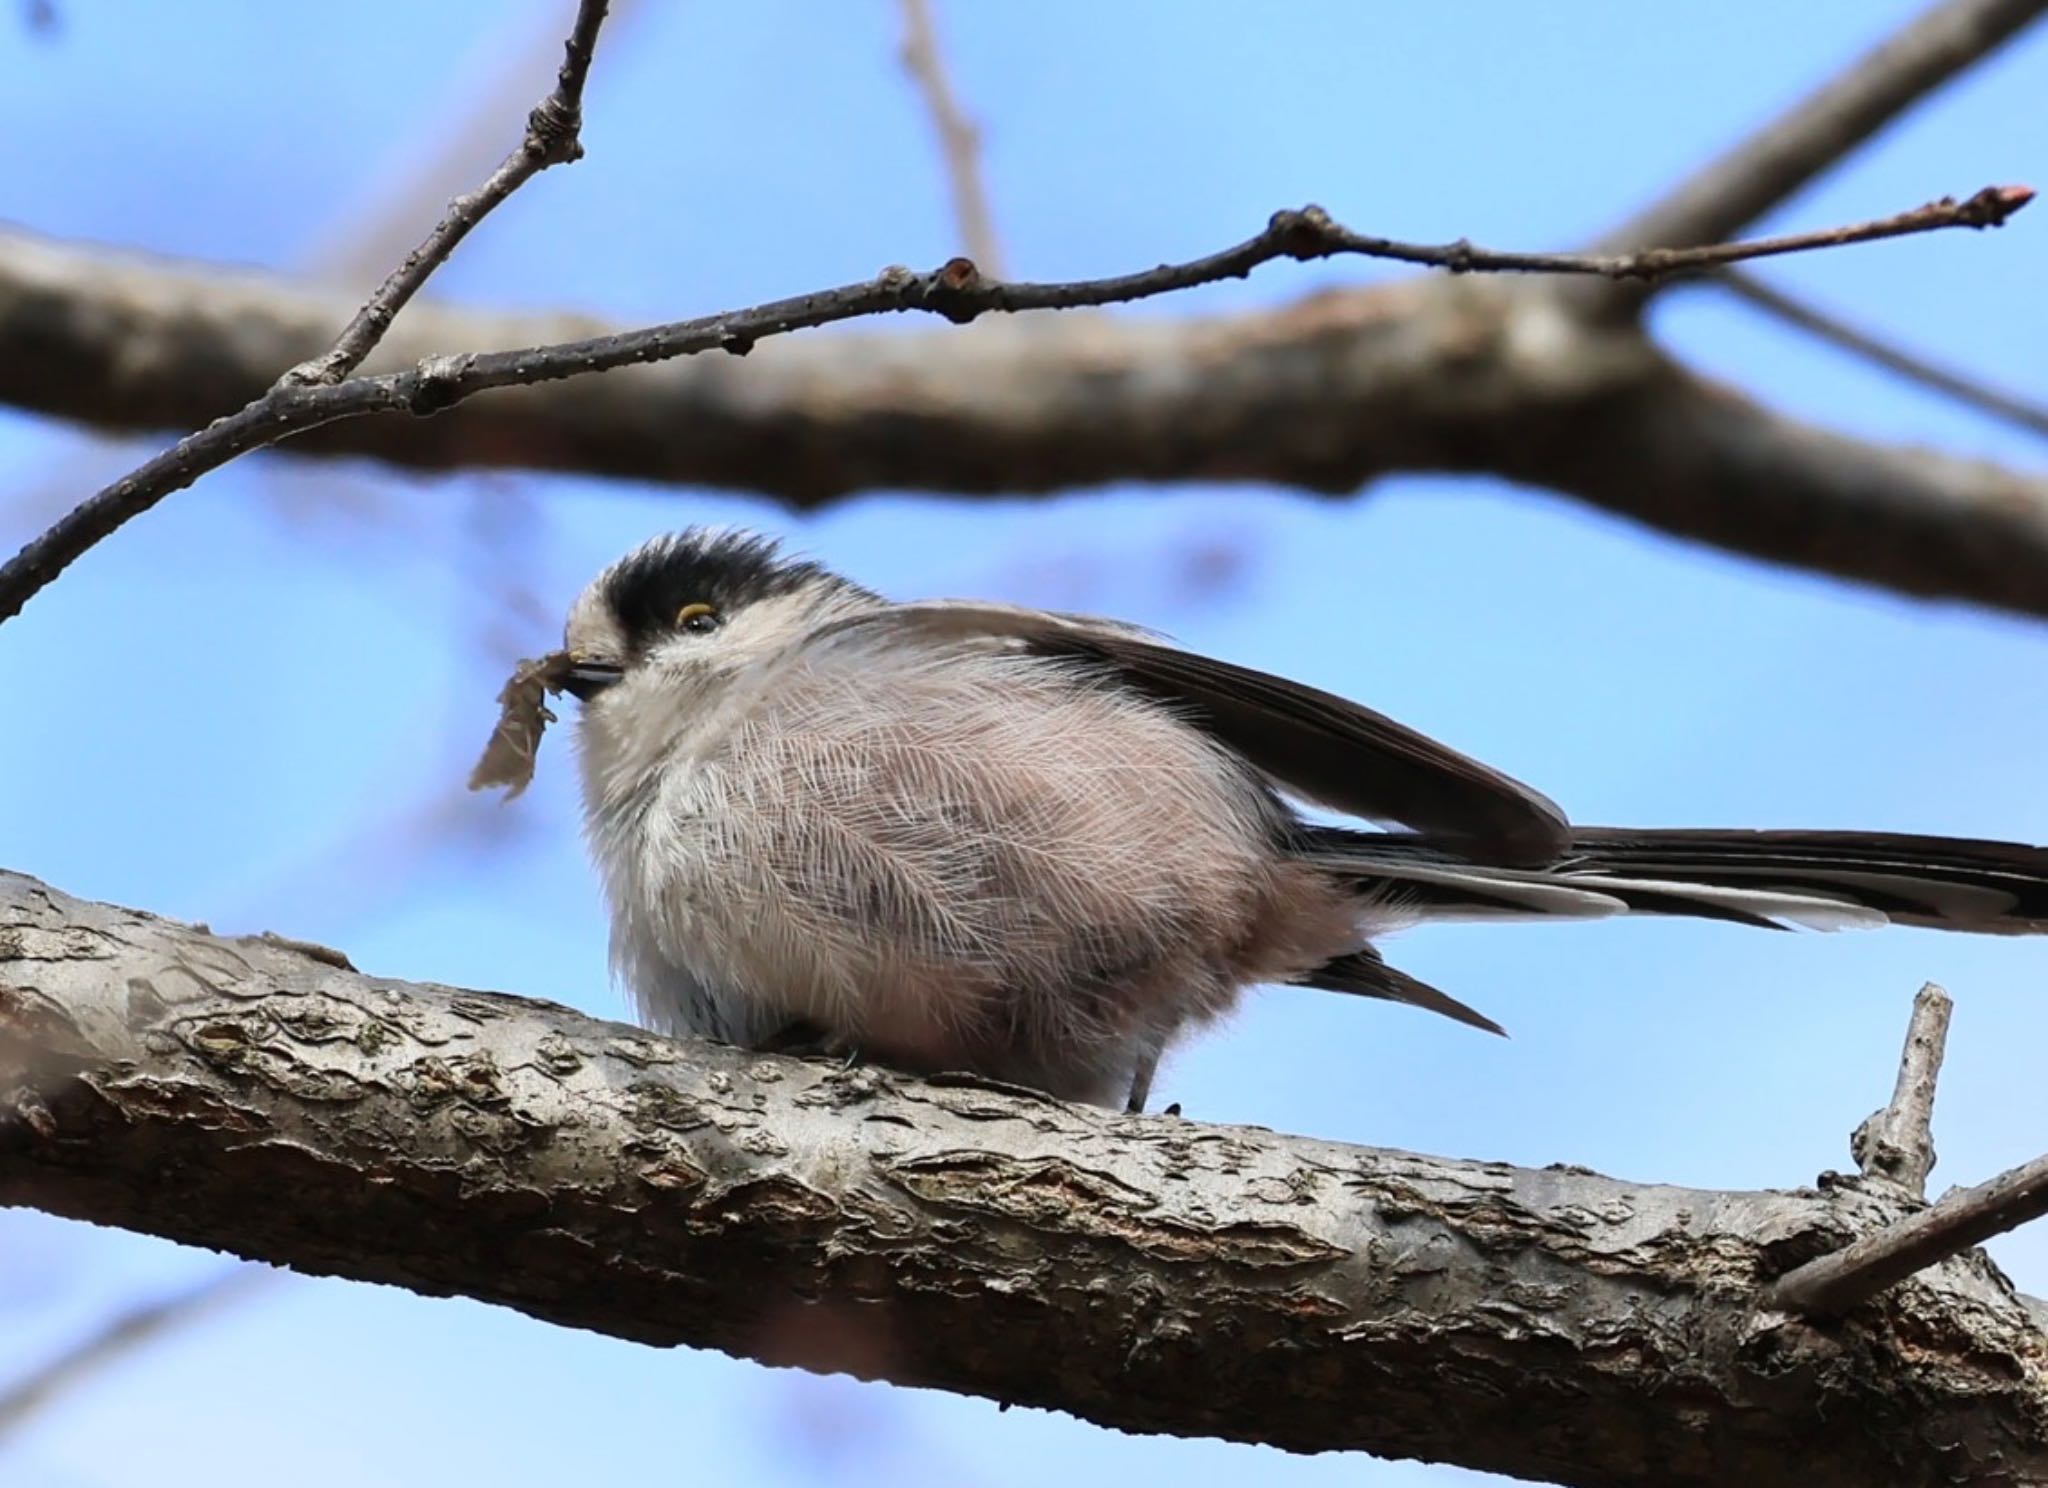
{"x": 1043, "y": 848}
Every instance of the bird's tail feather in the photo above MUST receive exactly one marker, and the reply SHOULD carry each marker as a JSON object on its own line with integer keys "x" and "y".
{"x": 1821, "y": 880}
{"x": 1941, "y": 883}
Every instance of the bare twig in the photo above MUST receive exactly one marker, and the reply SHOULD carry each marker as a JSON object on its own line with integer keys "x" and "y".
{"x": 1914, "y": 368}
{"x": 1325, "y": 395}
{"x": 1897, "y": 1142}
{"x": 553, "y": 137}
{"x": 957, "y": 291}
{"x": 121, "y": 1335}
{"x": 1837, "y": 1281}
{"x": 959, "y": 139}
{"x": 1987, "y": 208}
{"x": 362, "y": 242}
{"x": 366, "y": 236}
{"x": 1763, "y": 170}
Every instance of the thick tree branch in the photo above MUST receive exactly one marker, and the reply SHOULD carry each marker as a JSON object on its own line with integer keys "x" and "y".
{"x": 1685, "y": 455}
{"x": 956, "y": 291}
{"x": 1149, "y": 1273}
{"x": 1764, "y": 169}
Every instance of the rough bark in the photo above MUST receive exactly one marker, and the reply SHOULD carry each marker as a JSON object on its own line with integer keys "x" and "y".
{"x": 1147, "y": 1273}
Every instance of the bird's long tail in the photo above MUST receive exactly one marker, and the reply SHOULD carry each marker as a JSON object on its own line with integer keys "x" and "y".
{"x": 1821, "y": 880}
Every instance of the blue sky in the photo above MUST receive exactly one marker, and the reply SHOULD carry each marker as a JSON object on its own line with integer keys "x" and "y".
{"x": 738, "y": 152}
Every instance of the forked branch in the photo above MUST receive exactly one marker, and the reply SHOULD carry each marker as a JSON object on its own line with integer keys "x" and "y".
{"x": 1895, "y": 1147}
{"x": 957, "y": 291}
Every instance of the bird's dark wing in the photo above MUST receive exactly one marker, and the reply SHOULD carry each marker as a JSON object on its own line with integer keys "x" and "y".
{"x": 1319, "y": 746}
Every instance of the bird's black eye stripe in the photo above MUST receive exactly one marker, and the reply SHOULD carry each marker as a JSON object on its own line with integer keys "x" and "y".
{"x": 648, "y": 590}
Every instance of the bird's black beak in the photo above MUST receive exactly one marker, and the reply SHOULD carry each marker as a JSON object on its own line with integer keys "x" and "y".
{"x": 586, "y": 679}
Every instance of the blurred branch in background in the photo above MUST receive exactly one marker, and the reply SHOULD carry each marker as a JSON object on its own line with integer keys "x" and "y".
{"x": 498, "y": 547}
{"x": 305, "y": 400}
{"x": 1199, "y": 566}
{"x": 497, "y": 551}
{"x": 1934, "y": 529}
{"x": 553, "y": 137}
{"x": 959, "y": 139}
{"x": 124, "y": 1334}
{"x": 439, "y": 161}
{"x": 434, "y": 823}
{"x": 1769, "y": 166}
{"x": 1372, "y": 381}
{"x": 408, "y": 186}
{"x": 1355, "y": 384}
{"x": 1203, "y": 1281}
{"x": 1957, "y": 386}
{"x": 41, "y": 19}
{"x": 351, "y": 254}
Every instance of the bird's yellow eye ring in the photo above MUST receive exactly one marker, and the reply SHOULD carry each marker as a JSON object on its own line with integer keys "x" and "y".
{"x": 697, "y": 616}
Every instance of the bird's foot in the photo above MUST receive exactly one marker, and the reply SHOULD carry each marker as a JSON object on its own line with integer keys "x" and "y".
{"x": 804, "y": 1039}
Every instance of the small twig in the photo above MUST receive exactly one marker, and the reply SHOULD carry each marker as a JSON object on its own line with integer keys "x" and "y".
{"x": 367, "y": 236}
{"x": 1987, "y": 208}
{"x": 1968, "y": 391}
{"x": 370, "y": 235}
{"x": 959, "y": 139}
{"x": 553, "y": 137}
{"x": 1897, "y": 1142}
{"x": 1837, "y": 1281}
{"x": 1777, "y": 159}
{"x": 958, "y": 291}
{"x": 121, "y": 1335}
{"x": 553, "y": 131}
